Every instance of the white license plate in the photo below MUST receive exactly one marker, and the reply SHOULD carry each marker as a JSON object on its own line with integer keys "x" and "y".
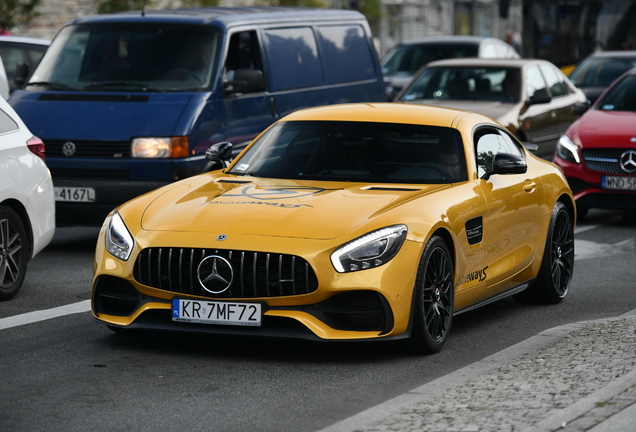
{"x": 74, "y": 194}
{"x": 216, "y": 312}
{"x": 619, "y": 183}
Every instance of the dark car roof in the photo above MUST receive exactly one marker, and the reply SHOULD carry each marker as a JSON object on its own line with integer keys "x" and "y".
{"x": 223, "y": 16}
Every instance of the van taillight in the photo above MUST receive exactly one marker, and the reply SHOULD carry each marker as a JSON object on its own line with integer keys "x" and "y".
{"x": 36, "y": 146}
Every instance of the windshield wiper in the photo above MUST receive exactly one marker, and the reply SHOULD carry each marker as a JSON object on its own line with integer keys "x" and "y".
{"x": 51, "y": 84}
{"x": 140, "y": 86}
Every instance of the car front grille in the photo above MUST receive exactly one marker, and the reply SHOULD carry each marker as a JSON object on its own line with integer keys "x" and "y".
{"x": 90, "y": 149}
{"x": 256, "y": 274}
{"x": 605, "y": 160}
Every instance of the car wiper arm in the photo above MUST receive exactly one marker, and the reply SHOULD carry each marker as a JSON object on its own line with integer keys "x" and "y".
{"x": 52, "y": 84}
{"x": 141, "y": 86}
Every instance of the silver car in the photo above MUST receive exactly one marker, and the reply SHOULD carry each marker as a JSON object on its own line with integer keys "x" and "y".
{"x": 531, "y": 98}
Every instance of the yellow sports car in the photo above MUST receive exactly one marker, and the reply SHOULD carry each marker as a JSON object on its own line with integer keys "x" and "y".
{"x": 347, "y": 222}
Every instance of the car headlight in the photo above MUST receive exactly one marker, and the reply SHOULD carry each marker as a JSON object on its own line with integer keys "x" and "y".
{"x": 370, "y": 250}
{"x": 119, "y": 242}
{"x": 567, "y": 150}
{"x": 158, "y": 148}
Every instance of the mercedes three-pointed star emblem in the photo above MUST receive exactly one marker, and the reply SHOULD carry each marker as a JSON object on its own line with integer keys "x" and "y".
{"x": 628, "y": 161}
{"x": 215, "y": 274}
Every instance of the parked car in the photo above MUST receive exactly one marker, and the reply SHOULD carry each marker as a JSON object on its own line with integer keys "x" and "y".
{"x": 348, "y": 222}
{"x": 27, "y": 206}
{"x": 16, "y": 50}
{"x": 531, "y": 98}
{"x": 600, "y": 69}
{"x": 598, "y": 152}
{"x": 405, "y": 59}
{"x": 130, "y": 102}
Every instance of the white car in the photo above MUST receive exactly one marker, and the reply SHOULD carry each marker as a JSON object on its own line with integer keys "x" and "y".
{"x": 27, "y": 201}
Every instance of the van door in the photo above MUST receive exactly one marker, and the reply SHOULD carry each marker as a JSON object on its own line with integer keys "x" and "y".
{"x": 295, "y": 75}
{"x": 247, "y": 112}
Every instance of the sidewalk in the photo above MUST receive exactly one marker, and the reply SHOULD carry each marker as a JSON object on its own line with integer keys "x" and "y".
{"x": 574, "y": 378}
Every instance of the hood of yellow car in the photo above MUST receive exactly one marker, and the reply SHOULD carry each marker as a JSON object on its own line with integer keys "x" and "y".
{"x": 284, "y": 208}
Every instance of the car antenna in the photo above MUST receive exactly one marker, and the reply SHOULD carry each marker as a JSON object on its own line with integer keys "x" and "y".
{"x": 143, "y": 9}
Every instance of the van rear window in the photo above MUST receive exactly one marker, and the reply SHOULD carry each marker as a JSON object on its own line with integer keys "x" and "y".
{"x": 347, "y": 54}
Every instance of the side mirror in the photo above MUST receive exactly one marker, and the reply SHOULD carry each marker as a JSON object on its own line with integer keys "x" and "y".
{"x": 506, "y": 163}
{"x": 245, "y": 81}
{"x": 579, "y": 108}
{"x": 219, "y": 156}
{"x": 540, "y": 97}
{"x": 21, "y": 74}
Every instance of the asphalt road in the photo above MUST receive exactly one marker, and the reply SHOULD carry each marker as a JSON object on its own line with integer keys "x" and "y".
{"x": 73, "y": 374}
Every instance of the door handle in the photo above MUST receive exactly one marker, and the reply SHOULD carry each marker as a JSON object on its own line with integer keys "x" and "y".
{"x": 529, "y": 186}
{"x": 272, "y": 107}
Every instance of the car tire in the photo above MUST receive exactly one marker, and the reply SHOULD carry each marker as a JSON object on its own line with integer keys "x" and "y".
{"x": 554, "y": 278}
{"x": 433, "y": 299}
{"x": 13, "y": 253}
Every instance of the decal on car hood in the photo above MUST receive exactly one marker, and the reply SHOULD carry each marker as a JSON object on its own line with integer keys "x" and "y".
{"x": 285, "y": 209}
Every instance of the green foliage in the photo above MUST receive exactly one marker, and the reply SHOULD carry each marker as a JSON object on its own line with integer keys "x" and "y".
{"x": 372, "y": 10}
{"x": 18, "y": 12}
{"x": 304, "y": 3}
{"x": 199, "y": 3}
{"x": 112, "y": 6}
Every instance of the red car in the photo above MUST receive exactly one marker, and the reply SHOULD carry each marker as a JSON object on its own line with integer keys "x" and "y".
{"x": 598, "y": 152}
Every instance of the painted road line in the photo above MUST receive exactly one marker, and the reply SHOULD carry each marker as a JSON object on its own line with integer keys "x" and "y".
{"x": 42, "y": 315}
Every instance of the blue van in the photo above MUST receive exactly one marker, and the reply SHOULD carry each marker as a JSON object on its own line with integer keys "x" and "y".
{"x": 129, "y": 102}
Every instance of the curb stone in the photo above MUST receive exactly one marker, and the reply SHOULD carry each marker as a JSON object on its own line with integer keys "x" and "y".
{"x": 569, "y": 378}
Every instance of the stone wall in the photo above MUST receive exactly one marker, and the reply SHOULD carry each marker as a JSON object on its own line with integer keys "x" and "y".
{"x": 53, "y": 14}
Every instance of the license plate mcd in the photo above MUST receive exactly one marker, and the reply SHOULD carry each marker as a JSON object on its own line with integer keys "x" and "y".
{"x": 217, "y": 312}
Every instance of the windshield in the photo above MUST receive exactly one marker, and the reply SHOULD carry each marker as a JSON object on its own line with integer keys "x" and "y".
{"x": 600, "y": 72}
{"x": 143, "y": 57}
{"x": 356, "y": 152}
{"x": 621, "y": 97}
{"x": 465, "y": 83}
{"x": 408, "y": 59}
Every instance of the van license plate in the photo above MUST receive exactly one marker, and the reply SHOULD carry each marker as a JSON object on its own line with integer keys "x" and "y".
{"x": 620, "y": 183}
{"x": 74, "y": 194}
{"x": 215, "y": 312}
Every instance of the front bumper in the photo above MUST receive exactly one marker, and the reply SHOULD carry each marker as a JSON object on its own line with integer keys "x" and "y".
{"x": 586, "y": 185}
{"x": 374, "y": 303}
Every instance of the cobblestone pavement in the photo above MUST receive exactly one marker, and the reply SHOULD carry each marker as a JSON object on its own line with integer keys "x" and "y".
{"x": 575, "y": 378}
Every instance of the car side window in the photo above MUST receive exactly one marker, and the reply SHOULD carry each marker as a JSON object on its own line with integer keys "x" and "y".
{"x": 491, "y": 142}
{"x": 6, "y": 123}
{"x": 243, "y": 53}
{"x": 555, "y": 84}
{"x": 11, "y": 57}
{"x": 534, "y": 81}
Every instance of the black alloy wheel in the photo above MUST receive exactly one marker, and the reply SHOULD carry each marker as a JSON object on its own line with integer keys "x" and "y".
{"x": 433, "y": 299}
{"x": 555, "y": 275}
{"x": 562, "y": 253}
{"x": 13, "y": 253}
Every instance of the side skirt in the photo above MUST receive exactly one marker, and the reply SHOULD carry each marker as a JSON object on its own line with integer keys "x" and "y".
{"x": 497, "y": 297}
